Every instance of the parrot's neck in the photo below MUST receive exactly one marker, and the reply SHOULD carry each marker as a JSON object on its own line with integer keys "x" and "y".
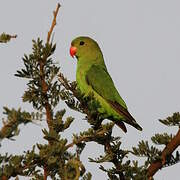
{"x": 85, "y": 62}
{"x": 83, "y": 66}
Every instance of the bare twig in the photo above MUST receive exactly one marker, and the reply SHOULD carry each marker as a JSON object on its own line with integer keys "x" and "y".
{"x": 13, "y": 36}
{"x": 168, "y": 150}
{"x": 53, "y": 22}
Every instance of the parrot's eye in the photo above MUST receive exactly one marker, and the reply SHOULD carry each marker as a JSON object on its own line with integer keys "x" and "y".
{"x": 81, "y": 43}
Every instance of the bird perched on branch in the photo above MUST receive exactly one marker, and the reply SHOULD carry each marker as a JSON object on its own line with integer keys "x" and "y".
{"x": 92, "y": 77}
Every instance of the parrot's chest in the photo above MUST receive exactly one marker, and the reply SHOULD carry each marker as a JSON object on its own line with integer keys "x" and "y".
{"x": 81, "y": 81}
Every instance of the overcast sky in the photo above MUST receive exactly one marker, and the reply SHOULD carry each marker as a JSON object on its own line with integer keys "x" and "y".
{"x": 140, "y": 41}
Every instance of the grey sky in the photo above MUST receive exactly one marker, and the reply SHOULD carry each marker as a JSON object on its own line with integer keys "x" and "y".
{"x": 140, "y": 41}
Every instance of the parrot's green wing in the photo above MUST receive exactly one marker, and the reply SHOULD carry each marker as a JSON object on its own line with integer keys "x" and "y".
{"x": 99, "y": 79}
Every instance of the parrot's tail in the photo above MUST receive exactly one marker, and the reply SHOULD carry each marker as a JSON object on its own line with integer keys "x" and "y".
{"x": 125, "y": 114}
{"x": 120, "y": 124}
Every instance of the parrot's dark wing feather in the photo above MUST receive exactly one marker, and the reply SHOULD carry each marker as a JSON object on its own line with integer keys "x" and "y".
{"x": 99, "y": 79}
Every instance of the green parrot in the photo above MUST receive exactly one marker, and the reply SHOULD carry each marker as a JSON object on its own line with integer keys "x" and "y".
{"x": 92, "y": 77}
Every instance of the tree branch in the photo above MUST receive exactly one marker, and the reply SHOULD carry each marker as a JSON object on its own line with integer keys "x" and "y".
{"x": 6, "y": 129}
{"x": 67, "y": 86}
{"x": 14, "y": 119}
{"x": 43, "y": 82}
{"x": 168, "y": 150}
{"x": 47, "y": 106}
{"x": 4, "y": 177}
{"x": 115, "y": 160}
{"x": 87, "y": 138}
{"x": 82, "y": 139}
{"x": 4, "y": 38}
{"x": 45, "y": 173}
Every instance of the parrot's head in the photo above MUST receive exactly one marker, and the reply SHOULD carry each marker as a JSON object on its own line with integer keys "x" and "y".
{"x": 84, "y": 48}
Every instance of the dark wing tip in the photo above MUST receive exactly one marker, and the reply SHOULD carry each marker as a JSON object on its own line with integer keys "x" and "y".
{"x": 137, "y": 126}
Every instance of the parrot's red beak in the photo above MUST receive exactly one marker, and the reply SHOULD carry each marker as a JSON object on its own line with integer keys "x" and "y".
{"x": 73, "y": 51}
